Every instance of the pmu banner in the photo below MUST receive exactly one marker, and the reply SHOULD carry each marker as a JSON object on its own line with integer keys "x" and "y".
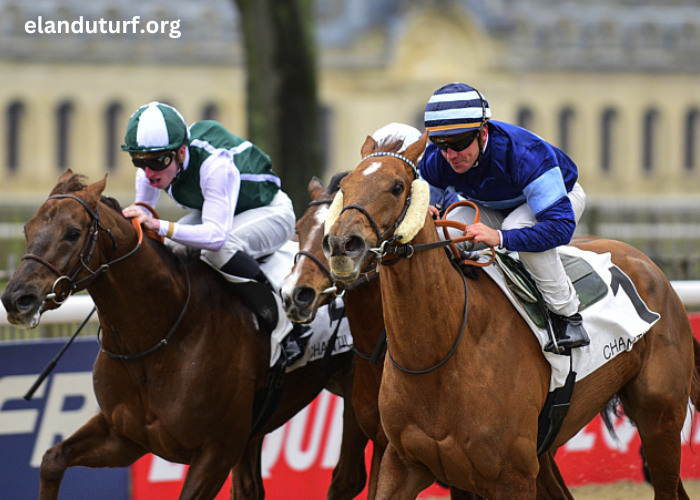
{"x": 63, "y": 403}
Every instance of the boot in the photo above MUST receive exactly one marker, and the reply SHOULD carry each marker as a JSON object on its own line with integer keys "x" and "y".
{"x": 569, "y": 332}
{"x": 245, "y": 266}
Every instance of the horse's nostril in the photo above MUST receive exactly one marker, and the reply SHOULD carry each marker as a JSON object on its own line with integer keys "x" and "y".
{"x": 354, "y": 244}
{"x": 304, "y": 296}
{"x": 26, "y": 301}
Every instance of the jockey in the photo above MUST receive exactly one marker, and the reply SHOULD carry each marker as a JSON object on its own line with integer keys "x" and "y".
{"x": 526, "y": 190}
{"x": 239, "y": 211}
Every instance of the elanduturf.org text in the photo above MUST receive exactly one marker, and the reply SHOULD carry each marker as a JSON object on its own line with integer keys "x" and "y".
{"x": 102, "y": 26}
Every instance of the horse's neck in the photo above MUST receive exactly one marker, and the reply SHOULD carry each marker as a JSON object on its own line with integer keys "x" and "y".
{"x": 144, "y": 286}
{"x": 424, "y": 289}
{"x": 363, "y": 306}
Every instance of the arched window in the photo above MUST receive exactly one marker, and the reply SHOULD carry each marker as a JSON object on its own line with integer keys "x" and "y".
{"x": 210, "y": 111}
{"x": 14, "y": 116}
{"x": 608, "y": 130}
{"x": 112, "y": 134}
{"x": 649, "y": 139}
{"x": 692, "y": 120}
{"x": 64, "y": 119}
{"x": 525, "y": 118}
{"x": 566, "y": 124}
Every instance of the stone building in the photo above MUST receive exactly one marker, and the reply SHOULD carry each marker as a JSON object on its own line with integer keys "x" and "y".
{"x": 612, "y": 82}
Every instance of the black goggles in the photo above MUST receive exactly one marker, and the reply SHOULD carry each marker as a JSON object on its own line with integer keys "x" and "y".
{"x": 455, "y": 142}
{"x": 157, "y": 163}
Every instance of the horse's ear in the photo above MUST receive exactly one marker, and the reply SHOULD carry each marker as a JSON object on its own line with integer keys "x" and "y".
{"x": 415, "y": 150}
{"x": 94, "y": 191}
{"x": 314, "y": 185}
{"x": 368, "y": 147}
{"x": 65, "y": 176}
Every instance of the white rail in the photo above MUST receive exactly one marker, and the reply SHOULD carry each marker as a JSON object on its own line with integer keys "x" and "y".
{"x": 77, "y": 307}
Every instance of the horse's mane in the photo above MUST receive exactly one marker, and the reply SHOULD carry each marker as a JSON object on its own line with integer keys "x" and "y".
{"x": 76, "y": 182}
{"x": 334, "y": 184}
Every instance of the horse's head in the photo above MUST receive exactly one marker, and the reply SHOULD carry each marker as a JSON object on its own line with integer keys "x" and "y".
{"x": 59, "y": 245}
{"x": 380, "y": 201}
{"x": 309, "y": 285}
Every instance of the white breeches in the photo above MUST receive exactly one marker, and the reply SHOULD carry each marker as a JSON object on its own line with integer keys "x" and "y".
{"x": 544, "y": 267}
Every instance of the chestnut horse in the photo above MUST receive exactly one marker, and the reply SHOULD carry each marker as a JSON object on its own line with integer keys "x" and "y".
{"x": 460, "y": 399}
{"x": 182, "y": 356}
{"x": 310, "y": 285}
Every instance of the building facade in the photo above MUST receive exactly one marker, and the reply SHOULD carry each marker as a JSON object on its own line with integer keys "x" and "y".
{"x": 613, "y": 83}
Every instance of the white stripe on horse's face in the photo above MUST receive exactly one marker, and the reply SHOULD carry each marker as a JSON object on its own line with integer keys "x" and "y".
{"x": 372, "y": 168}
{"x": 290, "y": 282}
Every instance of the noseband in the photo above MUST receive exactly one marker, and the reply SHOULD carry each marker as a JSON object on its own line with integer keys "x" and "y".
{"x": 67, "y": 281}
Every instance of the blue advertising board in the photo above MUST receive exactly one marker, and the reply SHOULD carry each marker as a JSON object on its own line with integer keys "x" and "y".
{"x": 63, "y": 403}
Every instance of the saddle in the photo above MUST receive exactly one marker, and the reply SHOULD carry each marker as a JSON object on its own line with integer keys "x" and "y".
{"x": 589, "y": 286}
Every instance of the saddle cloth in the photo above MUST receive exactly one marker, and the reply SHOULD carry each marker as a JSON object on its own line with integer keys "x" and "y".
{"x": 614, "y": 322}
{"x": 276, "y": 268}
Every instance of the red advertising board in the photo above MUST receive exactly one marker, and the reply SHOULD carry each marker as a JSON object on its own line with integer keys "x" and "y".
{"x": 299, "y": 457}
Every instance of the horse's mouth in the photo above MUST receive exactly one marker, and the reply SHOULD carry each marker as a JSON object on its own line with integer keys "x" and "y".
{"x": 344, "y": 269}
{"x": 25, "y": 320}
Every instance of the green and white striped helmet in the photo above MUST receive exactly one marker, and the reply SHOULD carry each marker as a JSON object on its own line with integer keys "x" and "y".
{"x": 155, "y": 127}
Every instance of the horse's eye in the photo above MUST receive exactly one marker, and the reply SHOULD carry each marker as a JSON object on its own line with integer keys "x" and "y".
{"x": 397, "y": 189}
{"x": 73, "y": 234}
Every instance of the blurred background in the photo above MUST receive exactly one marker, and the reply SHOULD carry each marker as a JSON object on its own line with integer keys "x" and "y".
{"x": 614, "y": 83}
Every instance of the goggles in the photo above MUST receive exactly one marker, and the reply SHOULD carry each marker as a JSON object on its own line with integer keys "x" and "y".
{"x": 157, "y": 163}
{"x": 455, "y": 142}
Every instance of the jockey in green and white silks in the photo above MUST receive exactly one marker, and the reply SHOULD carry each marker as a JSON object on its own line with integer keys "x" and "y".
{"x": 239, "y": 213}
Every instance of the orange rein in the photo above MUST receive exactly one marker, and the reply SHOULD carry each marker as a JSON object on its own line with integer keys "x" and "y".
{"x": 139, "y": 230}
{"x": 444, "y": 224}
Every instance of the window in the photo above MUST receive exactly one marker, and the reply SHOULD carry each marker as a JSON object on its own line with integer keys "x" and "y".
{"x": 566, "y": 123}
{"x": 525, "y": 118}
{"x": 64, "y": 119}
{"x": 607, "y": 132}
{"x": 112, "y": 134}
{"x": 15, "y": 114}
{"x": 691, "y": 140}
{"x": 210, "y": 111}
{"x": 649, "y": 139}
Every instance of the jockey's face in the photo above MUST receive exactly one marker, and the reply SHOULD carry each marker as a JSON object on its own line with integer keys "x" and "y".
{"x": 161, "y": 169}
{"x": 461, "y": 161}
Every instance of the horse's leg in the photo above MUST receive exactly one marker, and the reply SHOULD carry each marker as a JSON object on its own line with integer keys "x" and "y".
{"x": 656, "y": 401}
{"x": 246, "y": 475}
{"x": 378, "y": 450}
{"x": 550, "y": 484}
{"x": 456, "y": 494}
{"x": 93, "y": 445}
{"x": 399, "y": 480}
{"x": 207, "y": 473}
{"x": 349, "y": 474}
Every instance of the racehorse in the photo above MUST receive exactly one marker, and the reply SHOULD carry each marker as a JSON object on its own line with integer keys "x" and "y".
{"x": 460, "y": 397}
{"x": 182, "y": 356}
{"x": 310, "y": 284}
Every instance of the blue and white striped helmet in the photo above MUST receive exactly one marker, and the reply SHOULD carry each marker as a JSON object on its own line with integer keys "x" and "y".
{"x": 454, "y": 109}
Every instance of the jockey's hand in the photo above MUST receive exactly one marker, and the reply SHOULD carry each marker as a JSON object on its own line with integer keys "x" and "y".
{"x": 483, "y": 234}
{"x": 143, "y": 216}
{"x": 434, "y": 212}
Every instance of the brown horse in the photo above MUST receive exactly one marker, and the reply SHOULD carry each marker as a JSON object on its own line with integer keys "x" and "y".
{"x": 460, "y": 399}
{"x": 309, "y": 285}
{"x": 182, "y": 356}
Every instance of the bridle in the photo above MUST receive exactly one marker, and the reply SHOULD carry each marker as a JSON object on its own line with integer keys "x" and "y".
{"x": 386, "y": 246}
{"x": 67, "y": 280}
{"x": 82, "y": 264}
{"x": 336, "y": 288}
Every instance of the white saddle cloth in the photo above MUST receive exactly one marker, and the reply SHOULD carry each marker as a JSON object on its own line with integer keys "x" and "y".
{"x": 614, "y": 323}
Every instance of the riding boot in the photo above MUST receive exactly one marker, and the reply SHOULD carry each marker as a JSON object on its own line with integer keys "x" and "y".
{"x": 245, "y": 266}
{"x": 569, "y": 332}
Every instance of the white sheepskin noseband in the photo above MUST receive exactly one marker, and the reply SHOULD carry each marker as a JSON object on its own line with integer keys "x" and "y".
{"x": 412, "y": 222}
{"x": 333, "y": 212}
{"x": 415, "y": 215}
